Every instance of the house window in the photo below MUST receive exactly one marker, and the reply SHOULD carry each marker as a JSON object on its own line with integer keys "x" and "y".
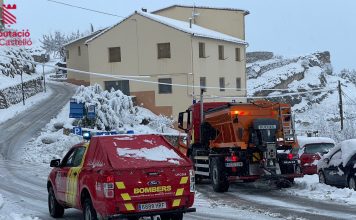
{"x": 202, "y": 50}
{"x": 122, "y": 85}
{"x": 221, "y": 52}
{"x": 114, "y": 54}
{"x": 165, "y": 89}
{"x": 237, "y": 54}
{"x": 238, "y": 83}
{"x": 222, "y": 84}
{"x": 202, "y": 82}
{"x": 164, "y": 50}
{"x": 79, "y": 52}
{"x": 67, "y": 54}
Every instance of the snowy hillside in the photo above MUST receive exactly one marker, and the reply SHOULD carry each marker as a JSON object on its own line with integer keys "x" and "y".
{"x": 313, "y": 111}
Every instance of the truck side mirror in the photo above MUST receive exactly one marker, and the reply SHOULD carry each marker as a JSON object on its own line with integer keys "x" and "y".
{"x": 184, "y": 120}
{"x": 55, "y": 163}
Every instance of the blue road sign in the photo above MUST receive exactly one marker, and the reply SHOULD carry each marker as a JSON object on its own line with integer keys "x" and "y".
{"x": 91, "y": 112}
{"x": 77, "y": 131}
{"x": 76, "y": 110}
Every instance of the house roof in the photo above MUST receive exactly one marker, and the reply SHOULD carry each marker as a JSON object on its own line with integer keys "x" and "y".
{"x": 202, "y": 7}
{"x": 195, "y": 30}
{"x": 81, "y": 38}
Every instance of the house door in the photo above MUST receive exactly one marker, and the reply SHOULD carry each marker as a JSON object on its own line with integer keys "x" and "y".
{"x": 122, "y": 85}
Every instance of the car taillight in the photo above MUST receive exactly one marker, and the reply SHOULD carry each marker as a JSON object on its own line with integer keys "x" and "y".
{"x": 109, "y": 187}
{"x": 290, "y": 156}
{"x": 192, "y": 180}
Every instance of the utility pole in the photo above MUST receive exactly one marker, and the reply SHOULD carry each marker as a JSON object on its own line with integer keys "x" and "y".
{"x": 340, "y": 107}
{"x": 23, "y": 92}
{"x": 44, "y": 79}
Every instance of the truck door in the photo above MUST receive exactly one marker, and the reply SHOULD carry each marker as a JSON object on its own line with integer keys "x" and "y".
{"x": 61, "y": 175}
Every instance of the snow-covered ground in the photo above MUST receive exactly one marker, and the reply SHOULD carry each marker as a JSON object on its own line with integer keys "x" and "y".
{"x": 14, "y": 110}
{"x": 309, "y": 187}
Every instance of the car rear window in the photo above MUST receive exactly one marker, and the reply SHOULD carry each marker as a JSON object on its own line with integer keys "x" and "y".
{"x": 321, "y": 148}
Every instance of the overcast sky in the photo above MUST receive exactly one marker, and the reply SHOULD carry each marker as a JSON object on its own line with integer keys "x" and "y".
{"x": 285, "y": 27}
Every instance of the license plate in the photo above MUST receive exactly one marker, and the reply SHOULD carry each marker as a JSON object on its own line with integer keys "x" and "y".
{"x": 234, "y": 164}
{"x": 289, "y": 162}
{"x": 152, "y": 206}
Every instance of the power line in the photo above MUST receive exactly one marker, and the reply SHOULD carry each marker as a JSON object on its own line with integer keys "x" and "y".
{"x": 350, "y": 99}
{"x": 87, "y": 9}
{"x": 134, "y": 79}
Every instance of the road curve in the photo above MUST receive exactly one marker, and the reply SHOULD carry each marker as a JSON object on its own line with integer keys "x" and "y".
{"x": 18, "y": 130}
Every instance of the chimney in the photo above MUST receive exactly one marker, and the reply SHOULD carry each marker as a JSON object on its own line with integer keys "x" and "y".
{"x": 190, "y": 22}
{"x": 144, "y": 9}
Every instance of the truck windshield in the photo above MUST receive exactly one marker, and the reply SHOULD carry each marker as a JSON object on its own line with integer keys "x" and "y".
{"x": 266, "y": 135}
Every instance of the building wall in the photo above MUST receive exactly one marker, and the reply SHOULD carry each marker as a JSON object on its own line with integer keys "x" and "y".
{"x": 225, "y": 21}
{"x": 78, "y": 62}
{"x": 212, "y": 68}
{"x": 138, "y": 37}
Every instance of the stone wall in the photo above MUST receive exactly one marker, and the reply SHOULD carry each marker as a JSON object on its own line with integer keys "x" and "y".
{"x": 13, "y": 95}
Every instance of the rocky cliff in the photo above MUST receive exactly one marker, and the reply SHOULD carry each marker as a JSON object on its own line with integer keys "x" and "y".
{"x": 294, "y": 78}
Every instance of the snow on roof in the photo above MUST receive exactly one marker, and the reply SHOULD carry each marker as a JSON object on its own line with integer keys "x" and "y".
{"x": 158, "y": 153}
{"x": 348, "y": 149}
{"x": 202, "y": 7}
{"x": 81, "y": 38}
{"x": 303, "y": 140}
{"x": 196, "y": 30}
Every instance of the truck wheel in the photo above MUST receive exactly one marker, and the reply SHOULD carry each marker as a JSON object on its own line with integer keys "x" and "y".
{"x": 218, "y": 175}
{"x": 89, "y": 211}
{"x": 172, "y": 217}
{"x": 56, "y": 210}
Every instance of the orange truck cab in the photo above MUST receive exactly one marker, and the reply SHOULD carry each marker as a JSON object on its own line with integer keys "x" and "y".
{"x": 122, "y": 176}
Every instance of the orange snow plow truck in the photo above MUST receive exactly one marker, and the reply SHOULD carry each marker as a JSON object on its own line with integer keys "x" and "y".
{"x": 236, "y": 142}
{"x": 122, "y": 177}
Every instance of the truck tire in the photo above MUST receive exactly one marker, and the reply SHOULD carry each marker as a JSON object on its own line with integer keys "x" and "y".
{"x": 172, "y": 216}
{"x": 89, "y": 212}
{"x": 56, "y": 210}
{"x": 218, "y": 175}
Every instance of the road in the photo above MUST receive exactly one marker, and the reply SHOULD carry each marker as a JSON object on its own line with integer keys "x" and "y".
{"x": 24, "y": 185}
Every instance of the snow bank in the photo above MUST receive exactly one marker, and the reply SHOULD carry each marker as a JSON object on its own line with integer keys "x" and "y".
{"x": 13, "y": 110}
{"x": 12, "y": 216}
{"x": 309, "y": 187}
{"x": 159, "y": 153}
{"x": 51, "y": 143}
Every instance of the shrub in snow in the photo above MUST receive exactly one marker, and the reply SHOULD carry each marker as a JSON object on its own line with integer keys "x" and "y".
{"x": 116, "y": 111}
{"x": 11, "y": 67}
